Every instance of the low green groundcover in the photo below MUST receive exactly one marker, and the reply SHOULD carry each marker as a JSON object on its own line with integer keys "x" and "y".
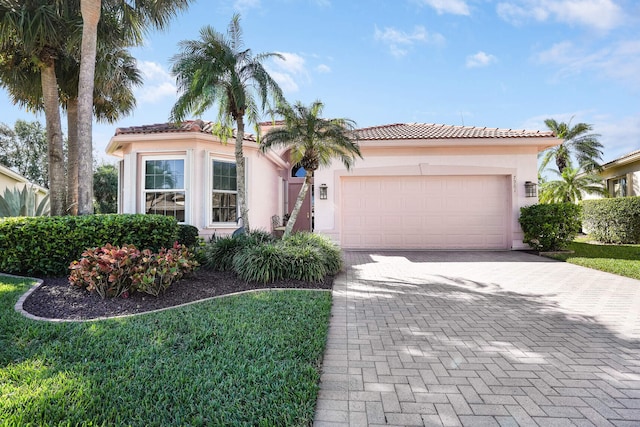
{"x": 252, "y": 359}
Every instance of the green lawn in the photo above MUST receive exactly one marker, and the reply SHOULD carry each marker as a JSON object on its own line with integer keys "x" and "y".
{"x": 623, "y": 260}
{"x": 251, "y": 359}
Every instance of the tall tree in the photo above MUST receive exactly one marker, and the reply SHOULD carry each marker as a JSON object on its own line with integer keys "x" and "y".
{"x": 218, "y": 69}
{"x": 571, "y": 186}
{"x": 24, "y": 149}
{"x": 43, "y": 32}
{"x": 578, "y": 142}
{"x": 116, "y": 75}
{"x": 136, "y": 15}
{"x": 313, "y": 142}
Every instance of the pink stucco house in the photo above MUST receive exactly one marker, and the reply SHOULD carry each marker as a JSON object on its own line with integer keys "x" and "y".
{"x": 419, "y": 186}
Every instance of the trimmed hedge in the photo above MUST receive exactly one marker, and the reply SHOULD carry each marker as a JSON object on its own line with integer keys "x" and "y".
{"x": 615, "y": 220}
{"x": 188, "y": 235}
{"x": 550, "y": 227}
{"x": 45, "y": 246}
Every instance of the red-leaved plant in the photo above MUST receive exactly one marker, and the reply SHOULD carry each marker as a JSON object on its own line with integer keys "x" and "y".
{"x": 156, "y": 272}
{"x": 106, "y": 270}
{"x": 113, "y": 271}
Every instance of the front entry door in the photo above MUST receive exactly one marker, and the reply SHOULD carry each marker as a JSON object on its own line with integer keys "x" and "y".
{"x": 305, "y": 217}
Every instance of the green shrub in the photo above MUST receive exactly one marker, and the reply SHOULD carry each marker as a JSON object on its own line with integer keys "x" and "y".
{"x": 219, "y": 253}
{"x": 113, "y": 271}
{"x": 615, "y": 220}
{"x": 264, "y": 263}
{"x": 330, "y": 252}
{"x": 550, "y": 227}
{"x": 188, "y": 235}
{"x": 45, "y": 246}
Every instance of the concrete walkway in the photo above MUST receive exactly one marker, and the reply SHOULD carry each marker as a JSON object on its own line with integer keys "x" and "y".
{"x": 480, "y": 339}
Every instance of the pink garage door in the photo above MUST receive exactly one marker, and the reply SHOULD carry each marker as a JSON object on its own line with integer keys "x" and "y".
{"x": 425, "y": 212}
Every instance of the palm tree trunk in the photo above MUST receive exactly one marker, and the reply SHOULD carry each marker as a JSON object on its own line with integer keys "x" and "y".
{"x": 90, "y": 10}
{"x": 296, "y": 208}
{"x": 240, "y": 174}
{"x": 55, "y": 150}
{"x": 72, "y": 156}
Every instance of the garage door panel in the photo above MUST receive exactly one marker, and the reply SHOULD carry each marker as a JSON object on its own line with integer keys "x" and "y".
{"x": 425, "y": 212}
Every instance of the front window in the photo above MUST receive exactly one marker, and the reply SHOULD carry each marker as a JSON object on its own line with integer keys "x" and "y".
{"x": 164, "y": 189}
{"x": 224, "y": 194}
{"x": 619, "y": 187}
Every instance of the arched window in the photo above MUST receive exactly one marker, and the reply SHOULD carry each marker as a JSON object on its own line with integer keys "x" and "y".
{"x": 298, "y": 171}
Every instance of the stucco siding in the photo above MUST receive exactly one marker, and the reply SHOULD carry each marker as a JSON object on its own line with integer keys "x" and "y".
{"x": 517, "y": 164}
{"x": 198, "y": 152}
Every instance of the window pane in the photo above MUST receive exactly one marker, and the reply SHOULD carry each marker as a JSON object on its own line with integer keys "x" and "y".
{"x": 166, "y": 203}
{"x": 164, "y": 174}
{"x": 223, "y": 207}
{"x": 224, "y": 176}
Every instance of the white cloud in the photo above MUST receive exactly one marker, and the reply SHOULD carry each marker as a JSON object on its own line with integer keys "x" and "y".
{"x": 480, "y": 59}
{"x": 289, "y": 71}
{"x": 323, "y": 68}
{"x": 455, "y": 7}
{"x": 399, "y": 41}
{"x": 601, "y": 15}
{"x": 153, "y": 71}
{"x": 619, "y": 60}
{"x": 244, "y": 5}
{"x": 158, "y": 83}
{"x": 286, "y": 81}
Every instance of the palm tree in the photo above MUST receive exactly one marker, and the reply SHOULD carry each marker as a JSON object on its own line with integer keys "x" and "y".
{"x": 578, "y": 142}
{"x": 218, "y": 69}
{"x": 572, "y": 185}
{"x": 113, "y": 94}
{"x": 42, "y": 31}
{"x": 134, "y": 16}
{"x": 313, "y": 142}
{"x": 116, "y": 75}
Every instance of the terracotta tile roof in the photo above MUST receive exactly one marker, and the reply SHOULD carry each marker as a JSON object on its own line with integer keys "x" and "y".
{"x": 436, "y": 131}
{"x": 185, "y": 126}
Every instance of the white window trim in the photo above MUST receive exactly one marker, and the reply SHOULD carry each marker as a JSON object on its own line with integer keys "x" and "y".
{"x": 209, "y": 189}
{"x": 186, "y": 189}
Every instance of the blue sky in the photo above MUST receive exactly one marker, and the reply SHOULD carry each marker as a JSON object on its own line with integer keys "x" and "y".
{"x": 505, "y": 63}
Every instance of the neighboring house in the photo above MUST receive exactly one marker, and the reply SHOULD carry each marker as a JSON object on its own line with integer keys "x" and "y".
{"x": 10, "y": 179}
{"x": 622, "y": 175}
{"x": 419, "y": 186}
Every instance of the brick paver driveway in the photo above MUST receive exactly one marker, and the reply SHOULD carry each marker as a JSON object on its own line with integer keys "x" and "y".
{"x": 480, "y": 339}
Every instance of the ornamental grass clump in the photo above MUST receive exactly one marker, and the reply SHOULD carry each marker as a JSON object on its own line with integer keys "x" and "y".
{"x": 114, "y": 271}
{"x": 265, "y": 263}
{"x": 330, "y": 252}
{"x": 219, "y": 253}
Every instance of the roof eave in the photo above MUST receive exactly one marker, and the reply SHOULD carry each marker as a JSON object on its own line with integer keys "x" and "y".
{"x": 540, "y": 142}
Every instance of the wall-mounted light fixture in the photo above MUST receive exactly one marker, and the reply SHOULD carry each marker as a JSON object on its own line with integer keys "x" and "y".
{"x": 530, "y": 189}
{"x": 323, "y": 191}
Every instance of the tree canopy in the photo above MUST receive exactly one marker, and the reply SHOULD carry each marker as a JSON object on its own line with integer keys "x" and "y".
{"x": 218, "y": 69}
{"x": 24, "y": 149}
{"x": 313, "y": 142}
{"x": 579, "y": 143}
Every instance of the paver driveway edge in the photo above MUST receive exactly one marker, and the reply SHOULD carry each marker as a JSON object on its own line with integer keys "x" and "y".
{"x": 475, "y": 339}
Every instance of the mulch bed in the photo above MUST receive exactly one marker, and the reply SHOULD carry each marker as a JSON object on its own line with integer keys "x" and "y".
{"x": 57, "y": 299}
